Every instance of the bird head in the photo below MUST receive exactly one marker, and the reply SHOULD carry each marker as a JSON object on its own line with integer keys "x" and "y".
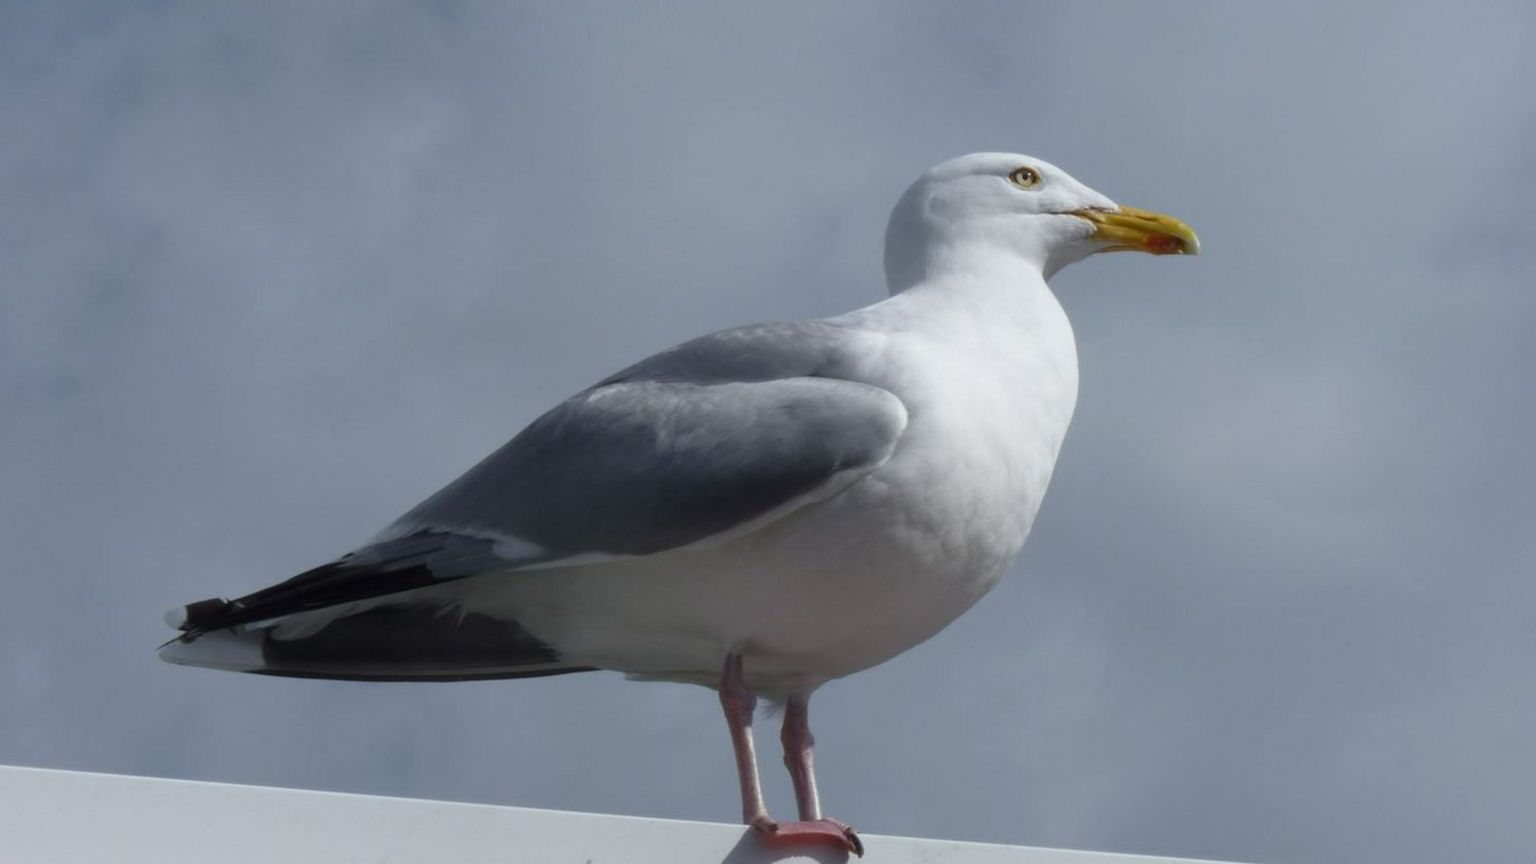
{"x": 1017, "y": 206}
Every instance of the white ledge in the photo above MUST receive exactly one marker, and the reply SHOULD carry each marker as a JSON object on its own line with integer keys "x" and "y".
{"x": 72, "y": 817}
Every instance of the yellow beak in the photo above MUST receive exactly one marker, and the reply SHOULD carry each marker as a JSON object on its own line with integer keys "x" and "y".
{"x": 1130, "y": 229}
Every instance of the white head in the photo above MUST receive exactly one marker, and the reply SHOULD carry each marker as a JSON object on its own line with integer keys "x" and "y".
{"x": 1020, "y": 207}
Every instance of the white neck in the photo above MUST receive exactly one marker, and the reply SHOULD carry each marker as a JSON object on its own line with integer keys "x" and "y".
{"x": 997, "y": 310}
{"x": 988, "y": 288}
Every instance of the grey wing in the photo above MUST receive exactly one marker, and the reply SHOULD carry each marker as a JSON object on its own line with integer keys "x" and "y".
{"x": 635, "y": 467}
{"x": 718, "y": 435}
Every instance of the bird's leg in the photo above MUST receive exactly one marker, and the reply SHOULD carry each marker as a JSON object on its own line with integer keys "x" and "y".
{"x": 739, "y": 703}
{"x": 799, "y": 758}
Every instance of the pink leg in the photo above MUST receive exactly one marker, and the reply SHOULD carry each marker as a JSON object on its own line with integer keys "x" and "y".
{"x": 799, "y": 758}
{"x": 739, "y": 704}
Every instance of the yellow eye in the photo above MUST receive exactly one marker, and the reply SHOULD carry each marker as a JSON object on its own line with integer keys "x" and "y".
{"x": 1025, "y": 177}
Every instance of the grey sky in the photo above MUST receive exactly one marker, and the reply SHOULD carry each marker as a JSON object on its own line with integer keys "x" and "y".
{"x": 271, "y": 273}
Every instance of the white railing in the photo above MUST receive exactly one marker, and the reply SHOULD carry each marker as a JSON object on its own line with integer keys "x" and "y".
{"x": 71, "y": 817}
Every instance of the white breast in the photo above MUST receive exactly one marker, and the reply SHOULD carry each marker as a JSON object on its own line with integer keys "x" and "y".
{"x": 990, "y": 389}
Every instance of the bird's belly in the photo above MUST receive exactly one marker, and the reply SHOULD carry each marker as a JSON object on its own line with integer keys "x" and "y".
{"x": 837, "y": 598}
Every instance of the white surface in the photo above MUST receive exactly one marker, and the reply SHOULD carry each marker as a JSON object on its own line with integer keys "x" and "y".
{"x": 70, "y": 817}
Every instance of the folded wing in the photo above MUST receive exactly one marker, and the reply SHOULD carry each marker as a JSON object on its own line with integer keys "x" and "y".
{"x": 673, "y": 452}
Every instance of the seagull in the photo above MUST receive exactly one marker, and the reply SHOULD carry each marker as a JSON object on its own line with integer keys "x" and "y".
{"x": 759, "y": 510}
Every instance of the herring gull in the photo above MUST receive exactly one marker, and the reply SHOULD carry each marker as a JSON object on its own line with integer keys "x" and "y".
{"x": 760, "y": 510}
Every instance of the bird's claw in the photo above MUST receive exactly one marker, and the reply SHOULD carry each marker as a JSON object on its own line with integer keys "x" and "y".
{"x": 828, "y": 831}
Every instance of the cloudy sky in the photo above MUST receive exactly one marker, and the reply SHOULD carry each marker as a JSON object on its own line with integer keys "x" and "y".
{"x": 271, "y": 273}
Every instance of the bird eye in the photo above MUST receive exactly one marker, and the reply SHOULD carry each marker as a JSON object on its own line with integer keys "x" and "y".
{"x": 1025, "y": 177}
